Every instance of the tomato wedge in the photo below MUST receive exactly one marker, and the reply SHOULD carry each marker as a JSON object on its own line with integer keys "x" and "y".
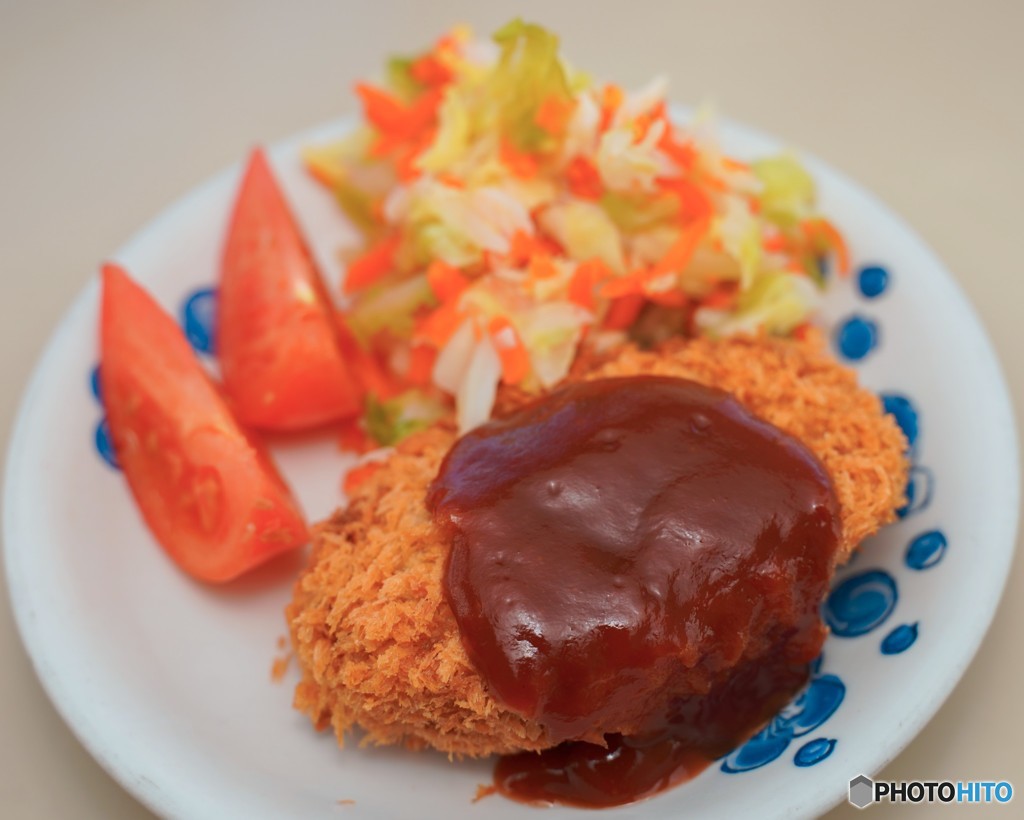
{"x": 207, "y": 491}
{"x": 277, "y": 340}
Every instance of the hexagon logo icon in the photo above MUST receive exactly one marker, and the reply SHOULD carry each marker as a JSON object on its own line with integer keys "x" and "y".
{"x": 862, "y": 791}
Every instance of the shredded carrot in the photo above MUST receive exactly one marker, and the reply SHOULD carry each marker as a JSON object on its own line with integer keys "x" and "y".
{"x": 523, "y": 247}
{"x": 693, "y": 202}
{"x": 353, "y": 437}
{"x": 549, "y": 245}
{"x": 824, "y": 230}
{"x": 775, "y": 243}
{"x": 396, "y": 123}
{"x": 406, "y": 166}
{"x": 438, "y": 326}
{"x": 488, "y": 261}
{"x": 382, "y": 109}
{"x": 583, "y": 179}
{"x": 630, "y": 283}
{"x": 623, "y": 311}
{"x": 421, "y": 365}
{"x": 643, "y": 123}
{"x": 357, "y": 475}
{"x": 447, "y": 281}
{"x": 679, "y": 255}
{"x": 734, "y": 164}
{"x": 430, "y": 71}
{"x": 802, "y": 331}
{"x": 325, "y": 170}
{"x": 515, "y": 360}
{"x": 451, "y": 41}
{"x": 423, "y": 110}
{"x": 682, "y": 153}
{"x": 371, "y": 266}
{"x": 323, "y": 175}
{"x": 585, "y": 278}
{"x": 541, "y": 267}
{"x": 449, "y": 179}
{"x": 521, "y": 164}
{"x": 715, "y": 182}
{"x": 553, "y": 114}
{"x": 611, "y": 98}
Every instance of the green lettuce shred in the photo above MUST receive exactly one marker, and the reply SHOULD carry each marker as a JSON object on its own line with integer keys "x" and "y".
{"x": 390, "y": 306}
{"x": 777, "y": 301}
{"x": 398, "y": 75}
{"x": 528, "y": 73}
{"x": 388, "y": 422}
{"x": 788, "y": 193}
{"x": 632, "y": 213}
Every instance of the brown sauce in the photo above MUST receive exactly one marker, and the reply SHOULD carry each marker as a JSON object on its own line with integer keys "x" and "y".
{"x": 694, "y": 731}
{"x": 635, "y": 562}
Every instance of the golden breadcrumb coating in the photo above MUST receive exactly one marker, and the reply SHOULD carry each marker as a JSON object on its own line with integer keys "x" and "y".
{"x": 377, "y": 642}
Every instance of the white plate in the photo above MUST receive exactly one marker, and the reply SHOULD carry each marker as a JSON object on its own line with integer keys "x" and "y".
{"x": 167, "y": 681}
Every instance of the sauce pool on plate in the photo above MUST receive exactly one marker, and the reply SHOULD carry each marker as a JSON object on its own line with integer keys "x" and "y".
{"x": 637, "y": 564}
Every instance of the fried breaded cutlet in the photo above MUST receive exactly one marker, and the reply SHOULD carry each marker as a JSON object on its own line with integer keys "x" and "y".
{"x": 376, "y": 640}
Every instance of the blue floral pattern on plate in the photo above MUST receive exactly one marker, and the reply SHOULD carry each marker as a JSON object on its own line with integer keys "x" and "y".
{"x": 814, "y": 751}
{"x": 926, "y": 550}
{"x": 861, "y": 603}
{"x": 856, "y": 337}
{"x": 101, "y": 436}
{"x": 873, "y": 281}
{"x": 198, "y": 319}
{"x": 899, "y": 640}
{"x": 815, "y": 705}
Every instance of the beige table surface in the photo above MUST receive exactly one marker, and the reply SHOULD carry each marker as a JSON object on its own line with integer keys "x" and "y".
{"x": 110, "y": 109}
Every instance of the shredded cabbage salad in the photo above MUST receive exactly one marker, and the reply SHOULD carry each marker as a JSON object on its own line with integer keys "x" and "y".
{"x": 513, "y": 207}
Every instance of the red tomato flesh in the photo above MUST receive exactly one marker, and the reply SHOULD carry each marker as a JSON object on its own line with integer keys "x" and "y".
{"x": 208, "y": 492}
{"x": 277, "y": 340}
